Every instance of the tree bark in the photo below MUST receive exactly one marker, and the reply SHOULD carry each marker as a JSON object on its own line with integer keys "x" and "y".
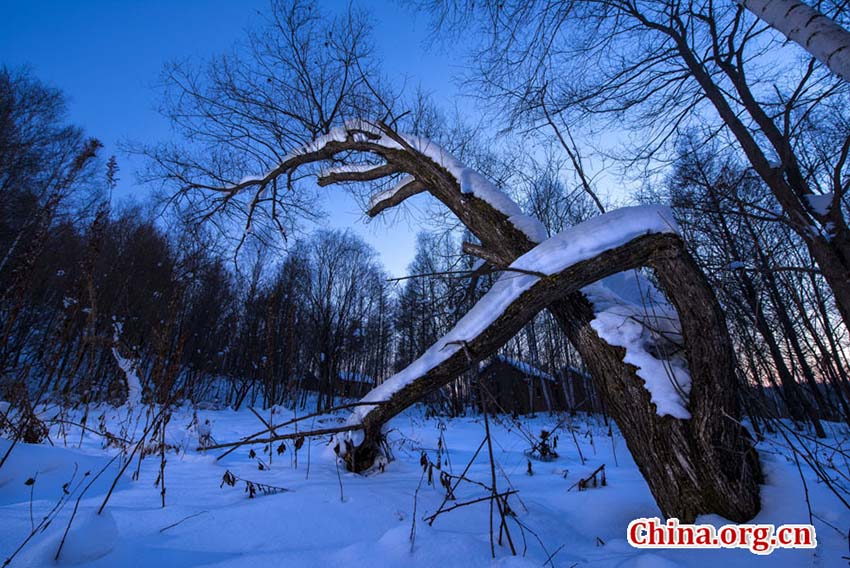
{"x": 818, "y": 34}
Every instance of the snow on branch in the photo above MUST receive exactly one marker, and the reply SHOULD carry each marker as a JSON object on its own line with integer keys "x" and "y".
{"x": 357, "y": 136}
{"x": 625, "y": 324}
{"x": 407, "y": 187}
{"x": 803, "y": 24}
{"x": 629, "y": 312}
{"x": 401, "y": 153}
{"x": 356, "y": 172}
{"x": 605, "y": 245}
{"x": 134, "y": 385}
{"x": 130, "y": 369}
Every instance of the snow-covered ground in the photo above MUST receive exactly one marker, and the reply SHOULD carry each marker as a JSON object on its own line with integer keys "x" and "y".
{"x": 330, "y": 517}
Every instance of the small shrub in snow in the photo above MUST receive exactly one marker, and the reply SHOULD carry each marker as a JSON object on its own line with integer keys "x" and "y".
{"x": 544, "y": 448}
{"x": 252, "y": 488}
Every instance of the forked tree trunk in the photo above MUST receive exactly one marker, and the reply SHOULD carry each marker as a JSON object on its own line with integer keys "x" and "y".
{"x": 705, "y": 464}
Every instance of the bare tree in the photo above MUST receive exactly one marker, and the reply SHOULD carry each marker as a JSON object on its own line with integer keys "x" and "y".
{"x": 716, "y": 198}
{"x": 290, "y": 82}
{"x": 661, "y": 67}
{"x": 342, "y": 271}
{"x": 695, "y": 462}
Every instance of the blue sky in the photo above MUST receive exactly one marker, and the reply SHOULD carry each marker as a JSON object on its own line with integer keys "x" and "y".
{"x": 107, "y": 55}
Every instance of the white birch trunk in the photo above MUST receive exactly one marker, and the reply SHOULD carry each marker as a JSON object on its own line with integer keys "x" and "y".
{"x": 822, "y": 37}
{"x": 545, "y": 388}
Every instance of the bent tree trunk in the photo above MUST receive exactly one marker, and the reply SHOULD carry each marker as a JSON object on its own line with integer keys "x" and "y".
{"x": 696, "y": 466}
{"x": 703, "y": 464}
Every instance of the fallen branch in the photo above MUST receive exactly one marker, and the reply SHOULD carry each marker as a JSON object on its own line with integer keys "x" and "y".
{"x": 293, "y": 435}
{"x": 591, "y": 480}
{"x": 272, "y": 429}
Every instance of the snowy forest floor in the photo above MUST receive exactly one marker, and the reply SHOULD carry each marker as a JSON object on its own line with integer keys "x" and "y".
{"x": 330, "y": 517}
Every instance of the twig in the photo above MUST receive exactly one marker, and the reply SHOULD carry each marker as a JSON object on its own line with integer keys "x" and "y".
{"x": 92, "y": 430}
{"x": 249, "y": 438}
{"x": 459, "y": 479}
{"x": 471, "y": 273}
{"x": 171, "y": 526}
{"x": 582, "y": 483}
{"x": 138, "y": 445}
{"x": 415, "y": 499}
{"x": 319, "y": 432}
{"x": 501, "y": 503}
{"x": 77, "y": 505}
{"x": 575, "y": 441}
{"x": 338, "y": 477}
{"x": 48, "y": 518}
{"x": 472, "y": 502}
{"x": 32, "y": 490}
